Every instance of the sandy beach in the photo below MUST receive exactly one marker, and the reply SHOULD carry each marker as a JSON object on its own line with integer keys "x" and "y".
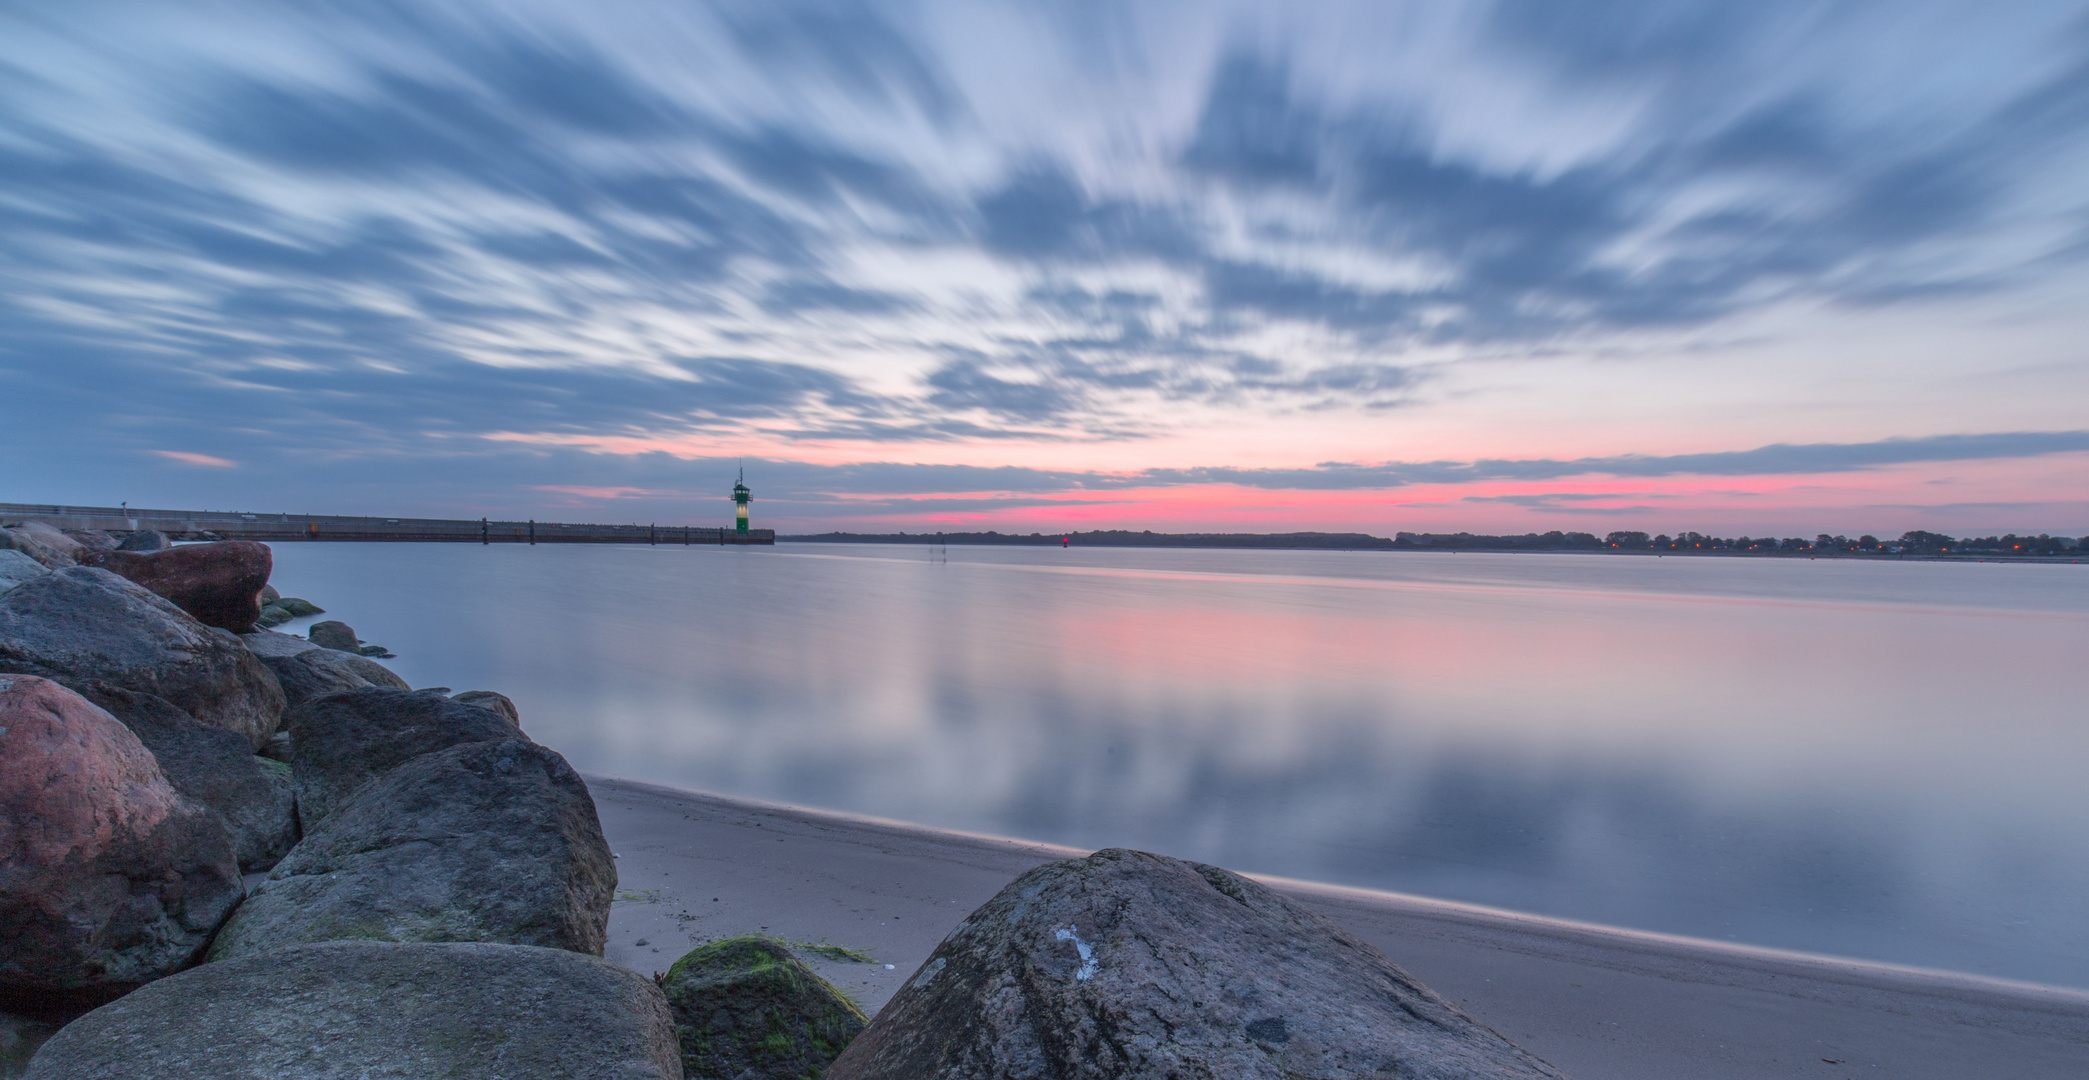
{"x": 1595, "y": 1001}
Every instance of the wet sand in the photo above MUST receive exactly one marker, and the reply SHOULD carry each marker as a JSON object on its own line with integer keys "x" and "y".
{"x": 1595, "y": 1001}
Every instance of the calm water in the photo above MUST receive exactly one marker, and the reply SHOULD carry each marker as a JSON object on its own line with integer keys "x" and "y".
{"x": 1882, "y": 760}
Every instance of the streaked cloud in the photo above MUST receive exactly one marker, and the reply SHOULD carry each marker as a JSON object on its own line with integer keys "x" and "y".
{"x": 1167, "y": 246}
{"x": 206, "y": 460}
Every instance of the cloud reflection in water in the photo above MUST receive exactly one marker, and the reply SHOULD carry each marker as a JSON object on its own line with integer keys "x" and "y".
{"x": 1866, "y": 759}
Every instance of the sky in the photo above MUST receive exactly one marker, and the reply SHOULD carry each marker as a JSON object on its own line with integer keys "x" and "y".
{"x": 1773, "y": 268}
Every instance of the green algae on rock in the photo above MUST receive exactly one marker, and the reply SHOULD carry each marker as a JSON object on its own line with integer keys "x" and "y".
{"x": 747, "y": 1008}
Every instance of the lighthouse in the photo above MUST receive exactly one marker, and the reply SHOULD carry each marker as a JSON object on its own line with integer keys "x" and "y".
{"x": 741, "y": 497}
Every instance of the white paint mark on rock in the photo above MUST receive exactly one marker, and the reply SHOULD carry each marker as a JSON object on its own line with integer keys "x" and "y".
{"x": 1087, "y": 951}
{"x": 927, "y": 973}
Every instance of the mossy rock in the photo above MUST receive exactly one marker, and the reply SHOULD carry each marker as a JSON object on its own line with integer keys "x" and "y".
{"x": 297, "y": 608}
{"x": 746, "y": 1009}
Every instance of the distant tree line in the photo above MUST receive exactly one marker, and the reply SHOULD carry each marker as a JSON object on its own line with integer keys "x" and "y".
{"x": 1916, "y": 542}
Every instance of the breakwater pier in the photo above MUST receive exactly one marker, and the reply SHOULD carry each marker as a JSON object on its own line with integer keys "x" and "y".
{"x": 280, "y": 528}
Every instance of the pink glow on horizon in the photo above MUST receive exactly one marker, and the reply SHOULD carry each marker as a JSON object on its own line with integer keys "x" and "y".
{"x": 2044, "y": 493}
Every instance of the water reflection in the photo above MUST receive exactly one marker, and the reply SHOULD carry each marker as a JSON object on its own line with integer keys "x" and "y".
{"x": 1878, "y": 760}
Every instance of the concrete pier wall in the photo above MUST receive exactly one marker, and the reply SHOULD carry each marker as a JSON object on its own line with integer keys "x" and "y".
{"x": 278, "y": 528}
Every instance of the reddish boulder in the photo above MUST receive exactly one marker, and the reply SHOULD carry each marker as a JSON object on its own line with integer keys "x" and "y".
{"x": 108, "y": 877}
{"x": 220, "y": 583}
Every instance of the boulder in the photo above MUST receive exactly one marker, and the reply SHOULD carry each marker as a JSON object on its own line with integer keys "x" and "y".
{"x": 109, "y": 878}
{"x": 319, "y": 671}
{"x": 16, "y": 568}
{"x": 146, "y": 540}
{"x": 94, "y": 545}
{"x": 747, "y": 1009}
{"x": 220, "y": 584}
{"x": 82, "y": 625}
{"x": 341, "y": 741}
{"x": 33, "y": 539}
{"x": 491, "y": 699}
{"x": 214, "y": 767}
{"x": 366, "y": 1010}
{"x": 269, "y": 594}
{"x": 481, "y": 842}
{"x": 1129, "y": 965}
{"x": 334, "y": 634}
{"x": 315, "y": 671}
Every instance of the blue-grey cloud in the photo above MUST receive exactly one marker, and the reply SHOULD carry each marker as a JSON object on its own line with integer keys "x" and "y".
{"x": 1780, "y": 459}
{"x": 382, "y": 229}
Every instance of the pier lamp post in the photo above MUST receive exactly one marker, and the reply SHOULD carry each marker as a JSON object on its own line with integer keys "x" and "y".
{"x": 741, "y": 496}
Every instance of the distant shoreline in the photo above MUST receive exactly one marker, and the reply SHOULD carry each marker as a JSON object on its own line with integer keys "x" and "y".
{"x": 1540, "y": 543}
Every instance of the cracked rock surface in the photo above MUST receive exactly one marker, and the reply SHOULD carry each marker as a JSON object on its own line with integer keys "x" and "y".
{"x": 1129, "y": 965}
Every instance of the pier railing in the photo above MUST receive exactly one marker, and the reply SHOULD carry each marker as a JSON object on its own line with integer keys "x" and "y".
{"x": 235, "y": 525}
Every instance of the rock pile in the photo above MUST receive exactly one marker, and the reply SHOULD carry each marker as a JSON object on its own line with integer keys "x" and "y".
{"x": 438, "y": 886}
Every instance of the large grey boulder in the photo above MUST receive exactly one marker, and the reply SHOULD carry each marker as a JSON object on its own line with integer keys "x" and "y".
{"x": 220, "y": 584}
{"x": 480, "y": 842}
{"x": 746, "y": 1008}
{"x": 109, "y": 878}
{"x": 82, "y": 625}
{"x": 367, "y": 1010}
{"x": 341, "y": 741}
{"x": 1127, "y": 965}
{"x": 306, "y": 671}
{"x": 215, "y": 768}
{"x": 16, "y": 568}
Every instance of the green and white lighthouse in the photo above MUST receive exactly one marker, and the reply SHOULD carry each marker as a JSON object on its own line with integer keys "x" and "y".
{"x": 741, "y": 497}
